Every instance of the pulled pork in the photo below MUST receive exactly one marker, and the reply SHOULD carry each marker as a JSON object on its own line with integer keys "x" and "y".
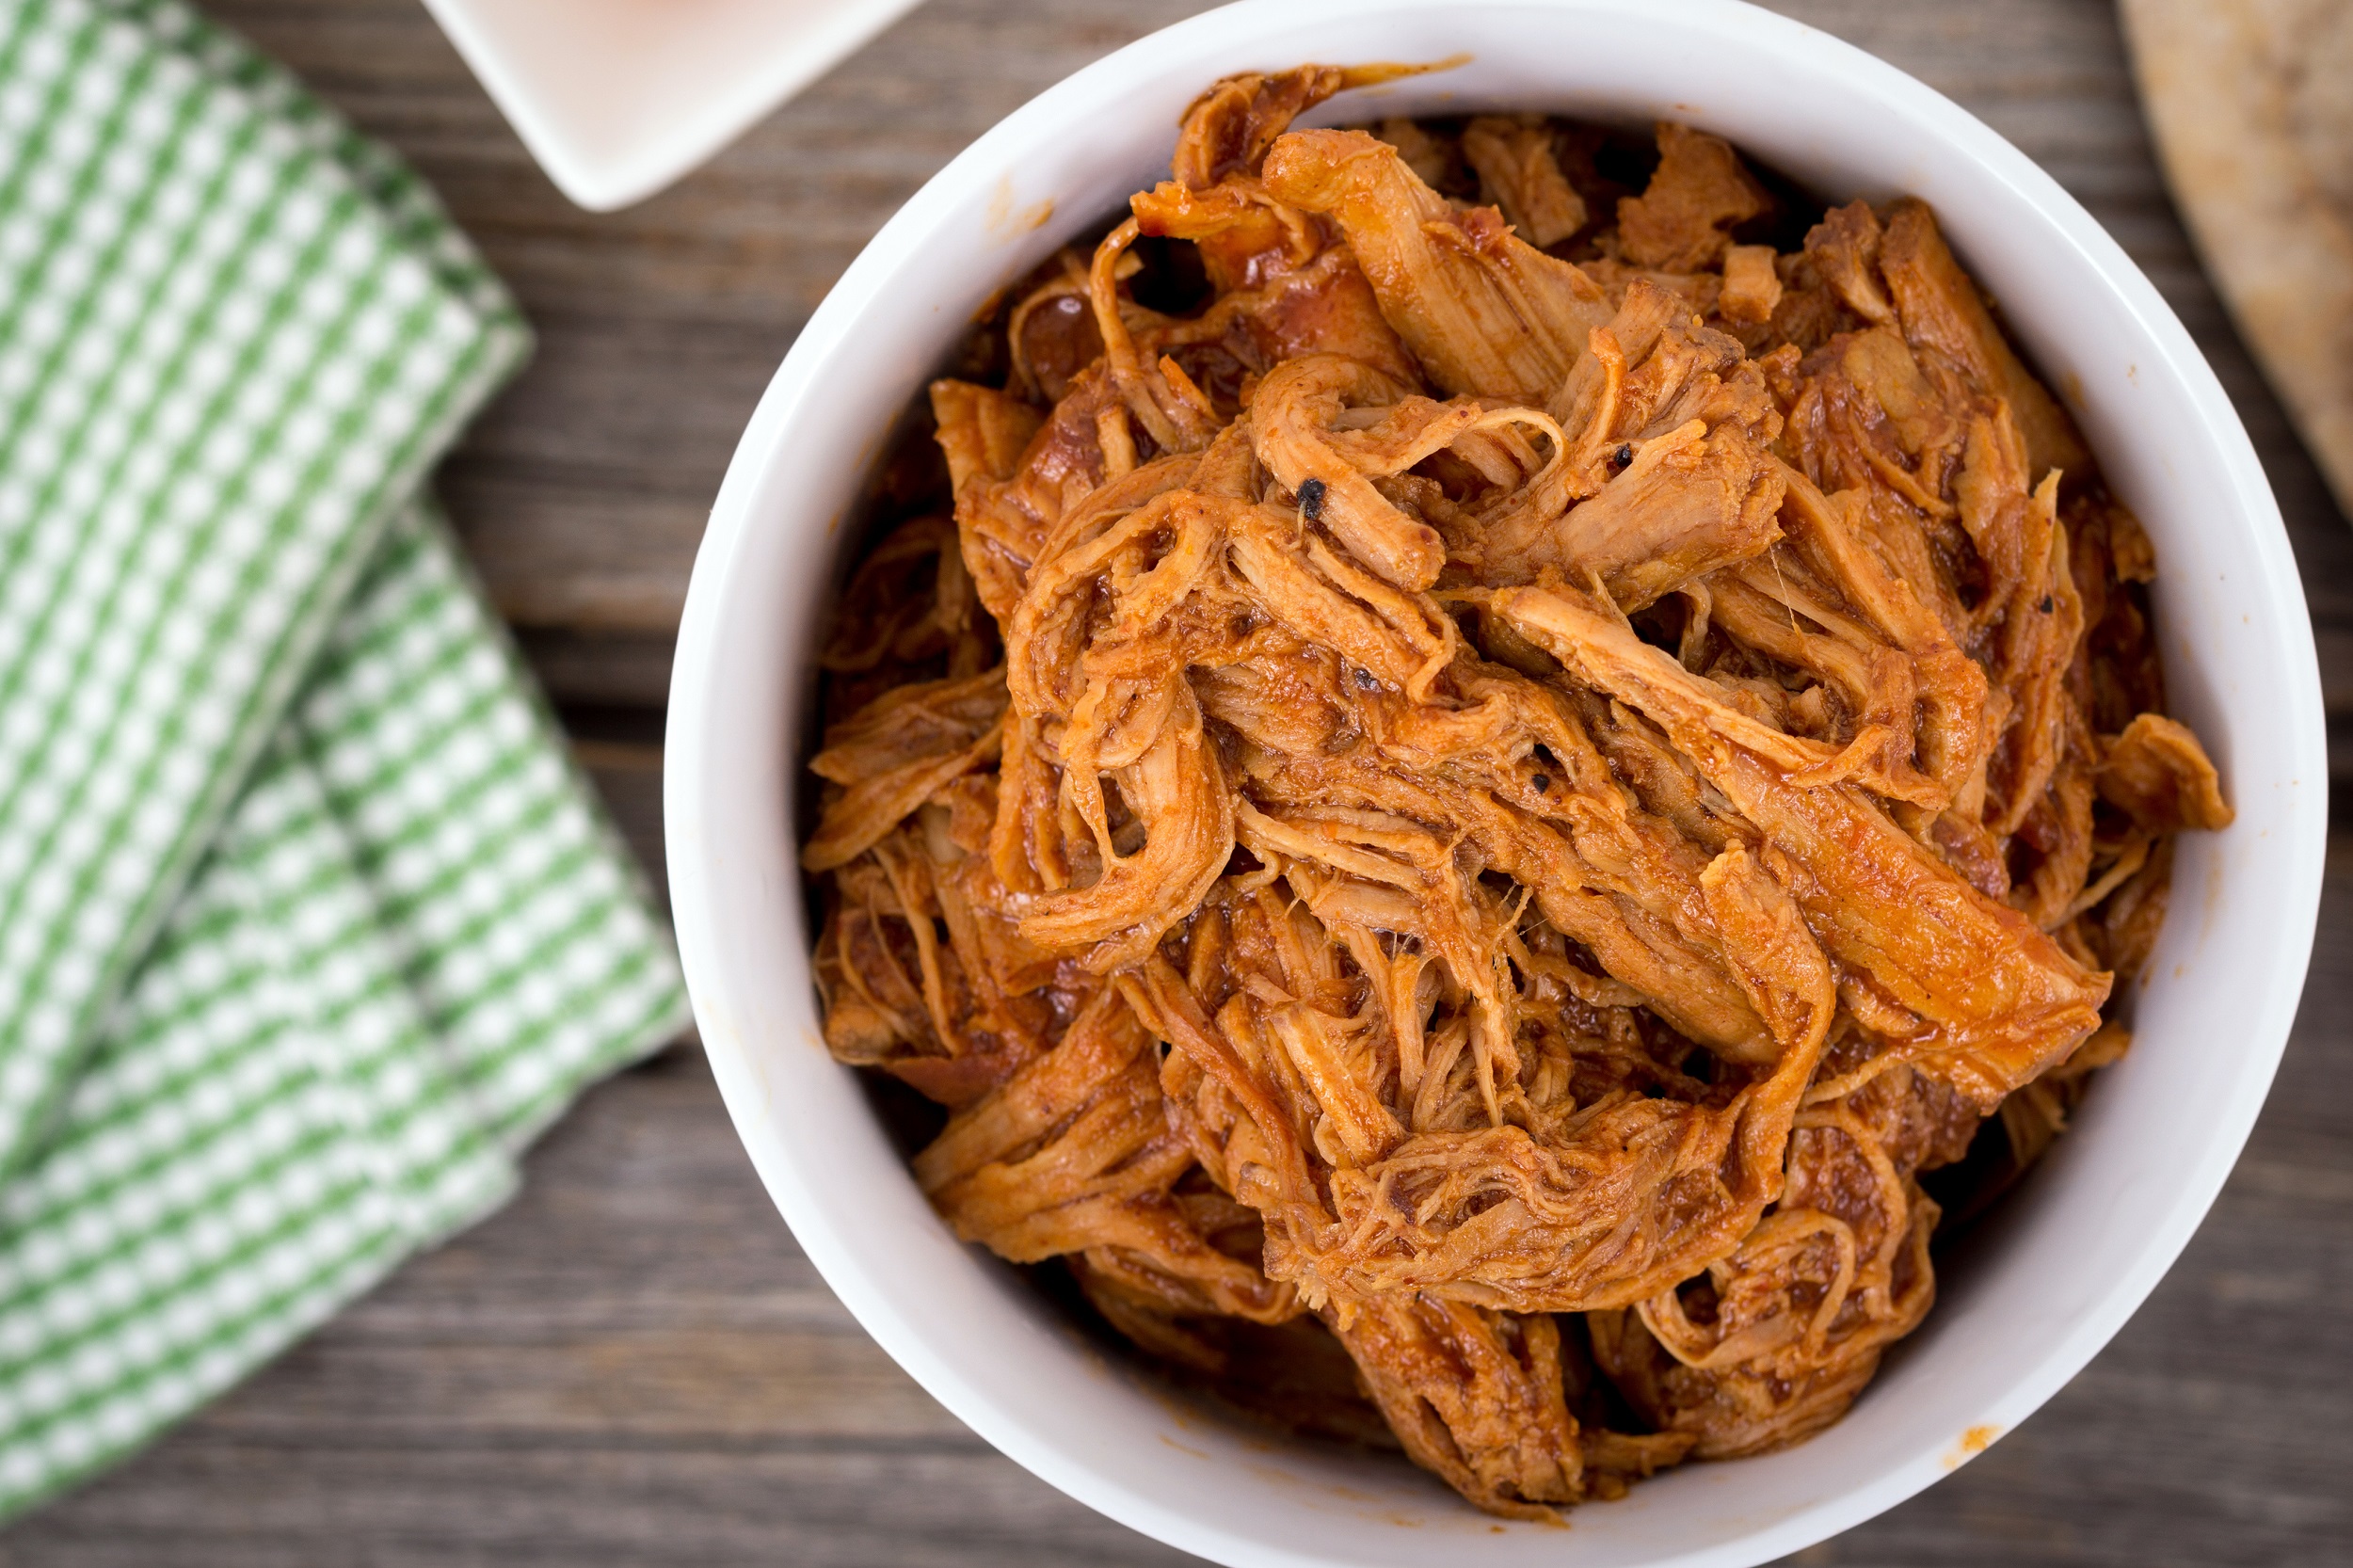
{"x": 1493, "y": 809}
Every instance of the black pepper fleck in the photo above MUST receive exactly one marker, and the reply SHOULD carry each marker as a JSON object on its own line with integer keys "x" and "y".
{"x": 1311, "y": 500}
{"x": 1541, "y": 781}
{"x": 1623, "y": 455}
{"x": 2046, "y": 604}
{"x": 1364, "y": 682}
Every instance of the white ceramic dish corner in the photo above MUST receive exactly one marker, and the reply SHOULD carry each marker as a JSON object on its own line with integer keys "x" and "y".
{"x": 2039, "y": 1290}
{"x": 618, "y": 98}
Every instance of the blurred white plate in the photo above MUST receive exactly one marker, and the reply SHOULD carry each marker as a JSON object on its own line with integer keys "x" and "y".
{"x": 618, "y": 98}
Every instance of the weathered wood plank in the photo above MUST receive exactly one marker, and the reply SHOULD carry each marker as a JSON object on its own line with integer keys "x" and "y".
{"x": 617, "y": 668}
{"x": 826, "y": 1506}
{"x": 628, "y": 776}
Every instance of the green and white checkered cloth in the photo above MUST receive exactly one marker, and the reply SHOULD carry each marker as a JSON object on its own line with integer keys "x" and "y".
{"x": 307, "y": 923}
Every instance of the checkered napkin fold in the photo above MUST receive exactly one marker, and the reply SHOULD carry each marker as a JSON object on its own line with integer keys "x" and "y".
{"x": 307, "y": 923}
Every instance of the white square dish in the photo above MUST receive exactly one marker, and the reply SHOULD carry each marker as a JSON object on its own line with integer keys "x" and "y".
{"x": 618, "y": 98}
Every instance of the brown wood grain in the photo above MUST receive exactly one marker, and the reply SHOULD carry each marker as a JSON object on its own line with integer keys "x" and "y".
{"x": 633, "y": 1364}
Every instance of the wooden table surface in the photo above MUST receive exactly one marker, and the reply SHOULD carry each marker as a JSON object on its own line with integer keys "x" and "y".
{"x": 633, "y": 1364}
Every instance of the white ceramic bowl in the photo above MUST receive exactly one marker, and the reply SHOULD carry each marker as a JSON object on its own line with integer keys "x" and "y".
{"x": 2038, "y": 1290}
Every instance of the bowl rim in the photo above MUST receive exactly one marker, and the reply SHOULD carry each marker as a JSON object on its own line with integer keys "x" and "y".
{"x": 693, "y": 725}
